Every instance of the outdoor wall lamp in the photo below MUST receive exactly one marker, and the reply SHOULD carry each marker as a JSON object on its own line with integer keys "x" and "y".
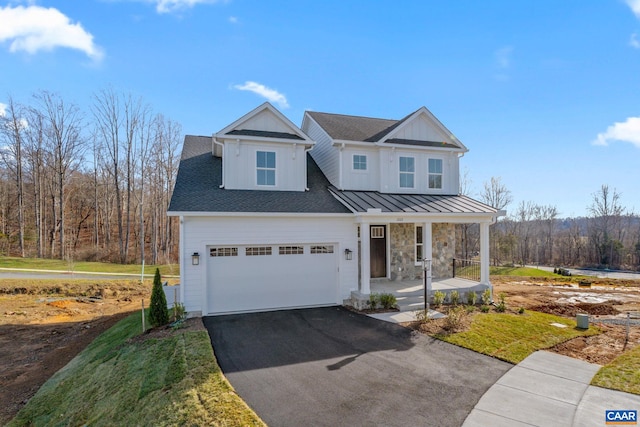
{"x": 348, "y": 254}
{"x": 195, "y": 258}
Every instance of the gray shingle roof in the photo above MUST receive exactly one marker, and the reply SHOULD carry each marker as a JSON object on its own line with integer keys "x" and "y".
{"x": 360, "y": 201}
{"x": 353, "y": 128}
{"x": 200, "y": 175}
{"x": 264, "y": 134}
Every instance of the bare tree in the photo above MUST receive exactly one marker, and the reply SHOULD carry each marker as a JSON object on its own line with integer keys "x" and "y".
{"x": 496, "y": 195}
{"x": 606, "y": 212}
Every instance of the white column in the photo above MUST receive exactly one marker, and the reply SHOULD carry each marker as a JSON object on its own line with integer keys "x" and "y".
{"x": 484, "y": 253}
{"x": 427, "y": 241}
{"x": 365, "y": 258}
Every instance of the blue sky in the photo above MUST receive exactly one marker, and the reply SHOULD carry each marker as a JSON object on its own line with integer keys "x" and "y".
{"x": 544, "y": 93}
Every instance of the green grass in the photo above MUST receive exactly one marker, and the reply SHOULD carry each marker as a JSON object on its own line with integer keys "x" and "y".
{"x": 622, "y": 374}
{"x": 520, "y": 272}
{"x": 173, "y": 380}
{"x": 513, "y": 337}
{"x": 98, "y": 267}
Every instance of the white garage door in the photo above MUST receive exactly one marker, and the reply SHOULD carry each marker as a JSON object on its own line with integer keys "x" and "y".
{"x": 263, "y": 277}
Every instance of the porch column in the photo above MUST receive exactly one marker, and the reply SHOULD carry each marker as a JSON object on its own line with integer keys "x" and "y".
{"x": 427, "y": 245}
{"x": 365, "y": 258}
{"x": 484, "y": 254}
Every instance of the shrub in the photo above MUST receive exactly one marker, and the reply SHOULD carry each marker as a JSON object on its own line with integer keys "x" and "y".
{"x": 472, "y": 297}
{"x": 387, "y": 301}
{"x": 486, "y": 297}
{"x": 501, "y": 306}
{"x": 471, "y": 308}
{"x": 484, "y": 308}
{"x": 454, "y": 297}
{"x": 521, "y": 310}
{"x": 454, "y": 319}
{"x": 179, "y": 312}
{"x": 438, "y": 298}
{"x": 373, "y": 301}
{"x": 158, "y": 311}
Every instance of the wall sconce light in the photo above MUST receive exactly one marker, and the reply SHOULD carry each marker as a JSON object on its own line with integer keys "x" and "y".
{"x": 195, "y": 258}
{"x": 348, "y": 254}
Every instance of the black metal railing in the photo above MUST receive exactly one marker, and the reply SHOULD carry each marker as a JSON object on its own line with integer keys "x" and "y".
{"x": 466, "y": 269}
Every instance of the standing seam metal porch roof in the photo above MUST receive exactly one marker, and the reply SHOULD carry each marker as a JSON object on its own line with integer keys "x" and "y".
{"x": 361, "y": 201}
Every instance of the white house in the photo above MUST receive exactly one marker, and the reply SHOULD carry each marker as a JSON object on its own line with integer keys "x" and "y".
{"x": 273, "y": 216}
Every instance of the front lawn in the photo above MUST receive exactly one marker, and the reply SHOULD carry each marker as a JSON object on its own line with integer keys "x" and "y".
{"x": 125, "y": 378}
{"x": 622, "y": 374}
{"x": 513, "y": 337}
{"x": 85, "y": 266}
{"x": 520, "y": 272}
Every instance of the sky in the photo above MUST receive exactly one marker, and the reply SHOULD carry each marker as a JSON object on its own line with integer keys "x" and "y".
{"x": 544, "y": 93}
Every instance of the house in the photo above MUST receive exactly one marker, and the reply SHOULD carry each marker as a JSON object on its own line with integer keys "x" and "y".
{"x": 274, "y": 216}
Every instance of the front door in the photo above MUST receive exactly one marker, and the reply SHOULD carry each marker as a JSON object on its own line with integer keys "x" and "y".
{"x": 378, "y": 247}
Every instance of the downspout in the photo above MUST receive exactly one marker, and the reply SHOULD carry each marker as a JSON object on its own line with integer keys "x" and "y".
{"x": 215, "y": 141}
{"x": 340, "y": 168}
{"x": 306, "y": 175}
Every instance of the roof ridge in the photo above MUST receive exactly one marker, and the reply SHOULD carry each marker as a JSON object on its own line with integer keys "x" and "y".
{"x": 352, "y": 115}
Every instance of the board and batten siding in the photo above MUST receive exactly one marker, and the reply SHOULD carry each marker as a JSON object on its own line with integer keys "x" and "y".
{"x": 389, "y": 170}
{"x": 367, "y": 180}
{"x": 324, "y": 153}
{"x": 421, "y": 130}
{"x": 240, "y": 166}
{"x": 202, "y": 232}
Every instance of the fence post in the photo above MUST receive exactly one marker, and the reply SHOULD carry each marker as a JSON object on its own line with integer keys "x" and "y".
{"x": 454, "y": 267}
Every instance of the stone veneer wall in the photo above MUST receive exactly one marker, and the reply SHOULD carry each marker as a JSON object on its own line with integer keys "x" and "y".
{"x": 444, "y": 249}
{"x": 403, "y": 252}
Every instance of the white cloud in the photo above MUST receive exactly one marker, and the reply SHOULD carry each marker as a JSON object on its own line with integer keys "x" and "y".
{"x": 169, "y": 6}
{"x": 271, "y": 95}
{"x": 503, "y": 57}
{"x": 35, "y": 28}
{"x": 627, "y": 131}
{"x": 635, "y": 7}
{"x": 634, "y": 42}
{"x": 3, "y": 109}
{"x": 233, "y": 19}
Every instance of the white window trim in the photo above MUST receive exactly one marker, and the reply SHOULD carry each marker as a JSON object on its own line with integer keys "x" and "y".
{"x": 415, "y": 244}
{"x": 366, "y": 163}
{"x": 275, "y": 170}
{"x": 441, "y": 174}
{"x": 412, "y": 173}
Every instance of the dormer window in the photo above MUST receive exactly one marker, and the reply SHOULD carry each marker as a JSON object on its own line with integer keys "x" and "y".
{"x": 435, "y": 173}
{"x": 266, "y": 168}
{"x": 359, "y": 162}
{"x": 407, "y": 169}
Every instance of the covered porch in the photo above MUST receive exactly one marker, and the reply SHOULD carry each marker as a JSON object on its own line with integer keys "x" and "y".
{"x": 398, "y": 234}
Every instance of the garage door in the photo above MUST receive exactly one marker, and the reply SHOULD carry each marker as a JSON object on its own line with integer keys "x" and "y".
{"x": 263, "y": 277}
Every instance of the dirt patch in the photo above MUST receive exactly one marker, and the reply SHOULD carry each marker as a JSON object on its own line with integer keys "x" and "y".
{"x": 570, "y": 310}
{"x": 42, "y": 327}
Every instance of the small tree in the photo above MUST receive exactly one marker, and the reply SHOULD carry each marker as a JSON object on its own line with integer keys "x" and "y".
{"x": 158, "y": 311}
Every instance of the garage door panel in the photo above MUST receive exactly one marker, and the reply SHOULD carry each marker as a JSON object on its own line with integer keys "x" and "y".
{"x": 284, "y": 278}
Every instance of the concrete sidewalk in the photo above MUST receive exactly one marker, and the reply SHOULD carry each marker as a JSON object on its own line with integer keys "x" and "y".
{"x": 548, "y": 389}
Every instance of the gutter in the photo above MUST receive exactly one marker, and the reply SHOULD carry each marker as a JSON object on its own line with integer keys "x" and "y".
{"x": 215, "y": 141}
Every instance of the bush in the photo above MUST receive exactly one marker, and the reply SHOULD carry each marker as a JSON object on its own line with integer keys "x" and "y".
{"x": 454, "y": 297}
{"x": 454, "y": 319}
{"x": 472, "y": 297}
{"x": 484, "y": 308}
{"x": 521, "y": 310}
{"x": 373, "y": 301}
{"x": 438, "y": 298}
{"x": 486, "y": 297}
{"x": 158, "y": 311}
{"x": 387, "y": 301}
{"x": 501, "y": 307}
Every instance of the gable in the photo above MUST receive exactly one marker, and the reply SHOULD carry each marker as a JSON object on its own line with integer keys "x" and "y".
{"x": 422, "y": 129}
{"x": 264, "y": 122}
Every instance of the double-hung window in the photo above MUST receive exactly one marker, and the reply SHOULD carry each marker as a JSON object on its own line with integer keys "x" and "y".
{"x": 407, "y": 167}
{"x": 359, "y": 162}
{"x": 419, "y": 244}
{"x": 435, "y": 173}
{"x": 266, "y": 167}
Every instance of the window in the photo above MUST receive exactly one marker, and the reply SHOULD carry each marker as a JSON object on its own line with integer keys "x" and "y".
{"x": 290, "y": 250}
{"x": 266, "y": 167}
{"x": 419, "y": 244}
{"x": 377, "y": 232}
{"x": 407, "y": 171}
{"x": 326, "y": 249}
{"x": 359, "y": 162}
{"x": 223, "y": 252}
{"x": 258, "y": 250}
{"x": 435, "y": 173}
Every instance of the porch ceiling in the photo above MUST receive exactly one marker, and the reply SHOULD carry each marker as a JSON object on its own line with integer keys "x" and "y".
{"x": 361, "y": 201}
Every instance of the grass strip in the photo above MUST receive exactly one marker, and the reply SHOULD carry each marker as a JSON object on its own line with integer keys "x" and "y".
{"x": 520, "y": 272}
{"x": 513, "y": 337}
{"x": 167, "y": 381}
{"x": 86, "y": 266}
{"x": 622, "y": 374}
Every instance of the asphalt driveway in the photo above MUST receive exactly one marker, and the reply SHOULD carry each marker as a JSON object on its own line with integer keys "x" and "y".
{"x": 329, "y": 366}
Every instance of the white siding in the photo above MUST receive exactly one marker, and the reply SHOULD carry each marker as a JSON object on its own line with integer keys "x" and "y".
{"x": 421, "y": 130}
{"x": 389, "y": 171}
{"x": 368, "y": 180}
{"x": 325, "y": 155}
{"x": 201, "y": 232}
{"x": 240, "y": 166}
{"x": 266, "y": 121}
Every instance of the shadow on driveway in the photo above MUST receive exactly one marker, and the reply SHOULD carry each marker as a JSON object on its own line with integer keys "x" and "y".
{"x": 330, "y": 366}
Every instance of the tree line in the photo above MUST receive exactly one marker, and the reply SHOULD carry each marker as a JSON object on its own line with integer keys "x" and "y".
{"x": 609, "y": 237}
{"x": 87, "y": 185}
